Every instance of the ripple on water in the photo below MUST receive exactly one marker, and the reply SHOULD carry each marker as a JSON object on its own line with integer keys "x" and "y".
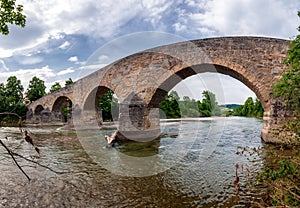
{"x": 201, "y": 178}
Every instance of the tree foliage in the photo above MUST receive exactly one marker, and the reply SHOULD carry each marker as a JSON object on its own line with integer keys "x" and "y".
{"x": 68, "y": 82}
{"x": 250, "y": 109}
{"x": 11, "y": 99}
{"x": 170, "y": 105}
{"x": 10, "y": 13}
{"x": 108, "y": 104}
{"x": 288, "y": 87}
{"x": 56, "y": 86}
{"x": 173, "y": 107}
{"x": 36, "y": 89}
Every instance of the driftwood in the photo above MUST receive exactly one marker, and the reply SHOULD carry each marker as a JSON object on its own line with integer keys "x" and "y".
{"x": 111, "y": 140}
{"x": 12, "y": 155}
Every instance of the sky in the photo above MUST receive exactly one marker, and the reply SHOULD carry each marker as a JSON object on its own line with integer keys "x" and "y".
{"x": 72, "y": 38}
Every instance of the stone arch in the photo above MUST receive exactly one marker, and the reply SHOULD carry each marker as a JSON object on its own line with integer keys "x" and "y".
{"x": 90, "y": 107}
{"x": 184, "y": 73}
{"x": 38, "y": 109}
{"x": 61, "y": 104}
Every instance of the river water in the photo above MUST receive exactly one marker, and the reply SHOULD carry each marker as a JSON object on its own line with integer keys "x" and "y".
{"x": 193, "y": 165}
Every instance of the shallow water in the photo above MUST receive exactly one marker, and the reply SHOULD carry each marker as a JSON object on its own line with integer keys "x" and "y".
{"x": 194, "y": 169}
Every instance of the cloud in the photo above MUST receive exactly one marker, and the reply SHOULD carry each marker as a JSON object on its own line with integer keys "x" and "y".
{"x": 103, "y": 59}
{"x": 29, "y": 60}
{"x": 67, "y": 71}
{"x": 73, "y": 59}
{"x": 65, "y": 45}
{"x": 25, "y": 75}
{"x": 3, "y": 67}
{"x": 244, "y": 17}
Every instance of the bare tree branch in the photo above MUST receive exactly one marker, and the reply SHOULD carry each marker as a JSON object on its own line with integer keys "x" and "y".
{"x": 11, "y": 154}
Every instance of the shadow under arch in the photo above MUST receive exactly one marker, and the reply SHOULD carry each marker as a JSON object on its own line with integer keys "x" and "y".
{"x": 38, "y": 109}
{"x": 91, "y": 108}
{"x": 184, "y": 73}
{"x": 62, "y": 108}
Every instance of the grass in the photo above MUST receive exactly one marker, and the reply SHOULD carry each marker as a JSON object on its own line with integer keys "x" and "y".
{"x": 281, "y": 176}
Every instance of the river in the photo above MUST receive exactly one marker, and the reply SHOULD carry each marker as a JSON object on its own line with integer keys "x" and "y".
{"x": 193, "y": 165}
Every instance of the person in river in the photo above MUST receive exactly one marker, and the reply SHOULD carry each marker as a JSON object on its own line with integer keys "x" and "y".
{"x": 111, "y": 140}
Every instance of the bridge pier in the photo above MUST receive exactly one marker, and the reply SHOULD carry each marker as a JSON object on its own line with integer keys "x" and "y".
{"x": 273, "y": 123}
{"x": 137, "y": 121}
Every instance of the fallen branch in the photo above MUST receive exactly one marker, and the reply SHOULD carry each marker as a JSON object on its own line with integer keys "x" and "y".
{"x": 44, "y": 166}
{"x": 11, "y": 154}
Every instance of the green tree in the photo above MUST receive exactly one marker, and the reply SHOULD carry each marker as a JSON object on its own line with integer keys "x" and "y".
{"x": 13, "y": 92}
{"x": 56, "y": 86}
{"x": 249, "y": 109}
{"x": 68, "y": 82}
{"x": 10, "y": 13}
{"x": 189, "y": 107}
{"x": 107, "y": 104}
{"x": 11, "y": 98}
{"x": 209, "y": 104}
{"x": 170, "y": 105}
{"x": 288, "y": 87}
{"x": 36, "y": 89}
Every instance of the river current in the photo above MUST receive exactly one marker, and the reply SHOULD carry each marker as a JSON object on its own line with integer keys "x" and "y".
{"x": 192, "y": 165}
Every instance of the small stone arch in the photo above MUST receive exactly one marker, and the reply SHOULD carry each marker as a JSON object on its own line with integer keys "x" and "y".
{"x": 90, "y": 107}
{"x": 38, "y": 110}
{"x": 62, "y": 108}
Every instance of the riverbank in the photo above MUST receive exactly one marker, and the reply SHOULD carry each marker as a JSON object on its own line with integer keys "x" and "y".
{"x": 281, "y": 176}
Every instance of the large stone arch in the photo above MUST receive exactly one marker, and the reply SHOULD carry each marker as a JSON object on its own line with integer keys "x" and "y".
{"x": 184, "y": 73}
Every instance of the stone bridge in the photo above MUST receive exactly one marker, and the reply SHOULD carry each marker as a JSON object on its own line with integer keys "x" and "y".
{"x": 140, "y": 81}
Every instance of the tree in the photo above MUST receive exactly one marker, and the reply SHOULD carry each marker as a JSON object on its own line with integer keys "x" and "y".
{"x": 209, "y": 104}
{"x": 56, "y": 86}
{"x": 10, "y": 13}
{"x": 249, "y": 109}
{"x": 13, "y": 92}
{"x": 11, "y": 99}
{"x": 68, "y": 82}
{"x": 170, "y": 105}
{"x": 288, "y": 87}
{"x": 107, "y": 104}
{"x": 36, "y": 89}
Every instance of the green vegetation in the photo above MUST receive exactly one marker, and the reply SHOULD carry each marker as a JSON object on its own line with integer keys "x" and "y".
{"x": 281, "y": 176}
{"x": 108, "y": 105}
{"x": 68, "y": 82}
{"x": 36, "y": 89}
{"x": 10, "y": 13}
{"x": 249, "y": 109}
{"x": 170, "y": 105}
{"x": 56, "y": 86}
{"x": 11, "y": 100}
{"x": 173, "y": 107}
{"x": 288, "y": 87}
{"x": 281, "y": 173}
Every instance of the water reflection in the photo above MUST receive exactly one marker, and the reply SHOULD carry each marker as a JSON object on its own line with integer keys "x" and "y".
{"x": 201, "y": 175}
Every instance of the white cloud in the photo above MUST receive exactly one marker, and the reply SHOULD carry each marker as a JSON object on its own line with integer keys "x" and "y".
{"x": 246, "y": 17}
{"x": 65, "y": 45}
{"x": 73, "y": 59}
{"x": 67, "y": 71}
{"x": 28, "y": 60}
{"x": 25, "y": 75}
{"x": 103, "y": 59}
{"x": 3, "y": 67}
